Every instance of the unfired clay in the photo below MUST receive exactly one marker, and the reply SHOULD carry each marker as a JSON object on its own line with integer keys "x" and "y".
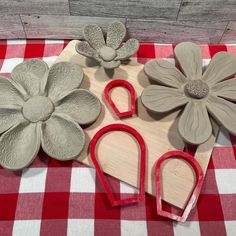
{"x": 108, "y": 54}
{"x": 42, "y": 106}
{"x": 200, "y": 93}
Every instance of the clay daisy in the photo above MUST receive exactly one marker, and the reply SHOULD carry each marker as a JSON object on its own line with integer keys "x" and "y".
{"x": 42, "y": 106}
{"x": 198, "y": 93}
{"x": 109, "y": 53}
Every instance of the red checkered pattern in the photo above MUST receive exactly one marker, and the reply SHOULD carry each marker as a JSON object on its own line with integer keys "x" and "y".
{"x": 66, "y": 198}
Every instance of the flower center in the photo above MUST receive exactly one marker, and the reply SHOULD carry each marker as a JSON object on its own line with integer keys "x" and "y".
{"x": 107, "y": 53}
{"x": 196, "y": 89}
{"x": 38, "y": 108}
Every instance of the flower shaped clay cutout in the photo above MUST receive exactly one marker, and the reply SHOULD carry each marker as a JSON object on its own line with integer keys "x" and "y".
{"x": 42, "y": 106}
{"x": 108, "y": 54}
{"x": 199, "y": 93}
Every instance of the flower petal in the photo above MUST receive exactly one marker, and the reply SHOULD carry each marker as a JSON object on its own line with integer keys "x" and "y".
{"x": 63, "y": 77}
{"x": 189, "y": 56}
{"x": 115, "y": 34}
{"x": 84, "y": 49}
{"x": 221, "y": 67}
{"x": 19, "y": 145}
{"x": 94, "y": 36}
{"x": 164, "y": 72}
{"x": 225, "y": 89}
{"x": 9, "y": 116}
{"x": 162, "y": 99}
{"x": 194, "y": 123}
{"x": 127, "y": 49}
{"x": 9, "y": 93}
{"x": 30, "y": 75}
{"x": 62, "y": 138}
{"x": 223, "y": 111}
{"x": 81, "y": 105}
{"x": 110, "y": 64}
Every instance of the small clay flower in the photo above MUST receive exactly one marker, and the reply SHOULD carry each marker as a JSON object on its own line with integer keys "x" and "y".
{"x": 109, "y": 53}
{"x": 42, "y": 106}
{"x": 198, "y": 92}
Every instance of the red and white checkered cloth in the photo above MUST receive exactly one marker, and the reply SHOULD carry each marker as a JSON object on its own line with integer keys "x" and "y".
{"x": 66, "y": 198}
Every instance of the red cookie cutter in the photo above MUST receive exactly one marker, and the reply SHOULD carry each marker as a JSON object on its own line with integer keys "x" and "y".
{"x": 127, "y": 85}
{"x": 138, "y": 137}
{"x": 195, "y": 192}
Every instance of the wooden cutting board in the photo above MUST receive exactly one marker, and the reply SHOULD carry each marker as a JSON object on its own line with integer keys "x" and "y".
{"x": 118, "y": 153}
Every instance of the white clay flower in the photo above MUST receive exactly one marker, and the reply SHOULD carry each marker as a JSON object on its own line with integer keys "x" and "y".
{"x": 42, "y": 106}
{"x": 197, "y": 92}
{"x": 109, "y": 53}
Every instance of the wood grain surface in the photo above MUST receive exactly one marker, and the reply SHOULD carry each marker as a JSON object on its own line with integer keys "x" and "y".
{"x": 118, "y": 153}
{"x": 45, "y": 7}
{"x": 134, "y": 9}
{"x": 230, "y": 33}
{"x": 175, "y": 31}
{"x": 52, "y": 26}
{"x": 158, "y": 21}
{"x": 11, "y": 27}
{"x": 206, "y": 10}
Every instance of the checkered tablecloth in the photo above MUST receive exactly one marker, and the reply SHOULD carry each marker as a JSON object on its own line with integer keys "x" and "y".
{"x": 67, "y": 198}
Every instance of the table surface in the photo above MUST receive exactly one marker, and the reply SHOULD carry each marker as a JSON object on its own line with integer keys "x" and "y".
{"x": 66, "y": 198}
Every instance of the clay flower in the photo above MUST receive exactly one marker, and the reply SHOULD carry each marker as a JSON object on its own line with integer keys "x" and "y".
{"x": 108, "y": 54}
{"x": 43, "y": 106}
{"x": 197, "y": 92}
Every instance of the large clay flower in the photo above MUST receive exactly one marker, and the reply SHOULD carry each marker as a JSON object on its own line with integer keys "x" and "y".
{"x": 43, "y": 106}
{"x": 198, "y": 92}
{"x": 108, "y": 54}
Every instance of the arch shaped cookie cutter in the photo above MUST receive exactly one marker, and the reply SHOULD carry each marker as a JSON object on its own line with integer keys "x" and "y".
{"x": 140, "y": 140}
{"x": 130, "y": 88}
{"x": 195, "y": 192}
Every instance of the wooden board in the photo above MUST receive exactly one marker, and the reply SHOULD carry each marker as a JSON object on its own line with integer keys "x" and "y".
{"x": 159, "y": 21}
{"x": 230, "y": 32}
{"x": 163, "y": 31}
{"x": 11, "y": 27}
{"x": 50, "y": 7}
{"x": 59, "y": 26}
{"x": 136, "y": 9}
{"x": 118, "y": 152}
{"x": 201, "y": 10}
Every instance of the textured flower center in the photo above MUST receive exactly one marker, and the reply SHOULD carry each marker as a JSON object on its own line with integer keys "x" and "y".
{"x": 107, "y": 53}
{"x": 38, "y": 108}
{"x": 196, "y": 89}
